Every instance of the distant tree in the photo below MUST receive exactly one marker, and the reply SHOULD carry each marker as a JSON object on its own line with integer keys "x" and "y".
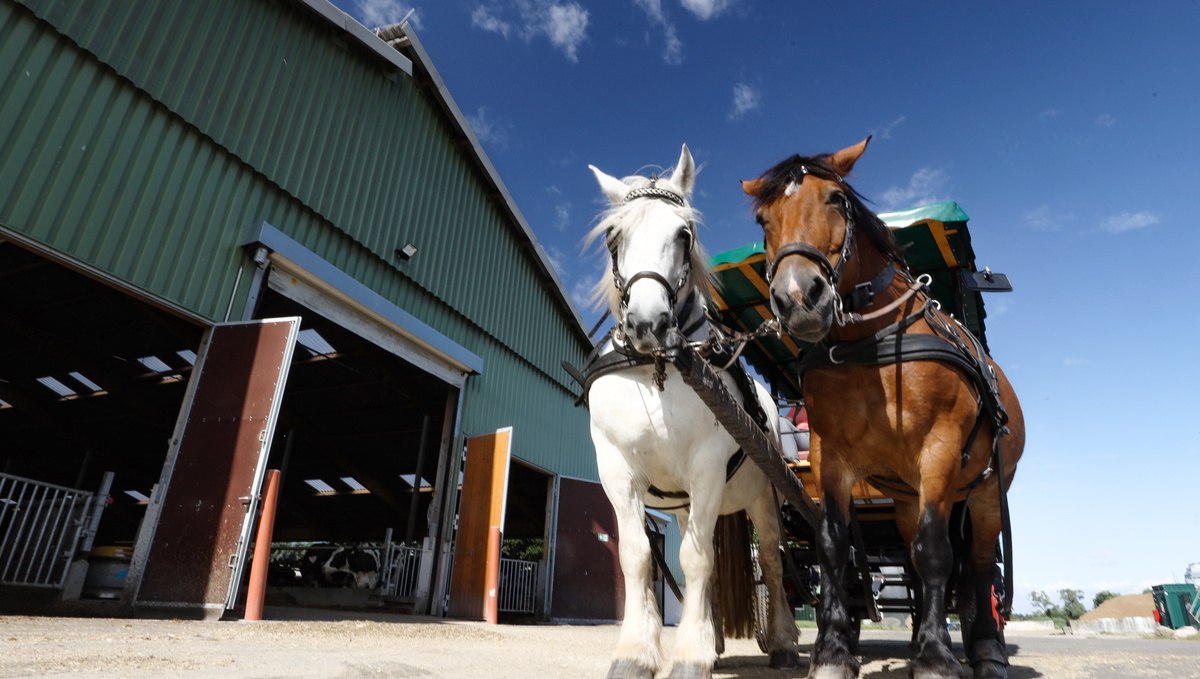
{"x": 1042, "y": 603}
{"x": 1072, "y": 607}
{"x": 1102, "y": 597}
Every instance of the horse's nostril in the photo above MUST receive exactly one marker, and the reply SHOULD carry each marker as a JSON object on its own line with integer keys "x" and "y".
{"x": 781, "y": 301}
{"x": 660, "y": 327}
{"x": 813, "y": 294}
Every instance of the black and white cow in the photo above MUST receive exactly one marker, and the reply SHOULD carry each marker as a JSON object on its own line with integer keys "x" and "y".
{"x": 325, "y": 565}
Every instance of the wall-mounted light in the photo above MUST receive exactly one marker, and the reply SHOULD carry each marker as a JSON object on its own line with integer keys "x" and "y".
{"x": 406, "y": 253}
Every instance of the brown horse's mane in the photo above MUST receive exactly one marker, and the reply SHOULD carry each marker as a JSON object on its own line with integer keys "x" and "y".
{"x": 776, "y": 180}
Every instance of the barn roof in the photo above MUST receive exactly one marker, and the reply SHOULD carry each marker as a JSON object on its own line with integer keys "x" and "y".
{"x": 401, "y": 40}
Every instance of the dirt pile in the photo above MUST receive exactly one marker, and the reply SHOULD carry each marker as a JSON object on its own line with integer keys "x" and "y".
{"x": 1128, "y": 606}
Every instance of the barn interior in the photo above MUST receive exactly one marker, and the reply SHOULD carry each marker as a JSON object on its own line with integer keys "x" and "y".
{"x": 92, "y": 379}
{"x": 359, "y": 440}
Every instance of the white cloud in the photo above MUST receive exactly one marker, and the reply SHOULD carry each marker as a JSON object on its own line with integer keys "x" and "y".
{"x": 563, "y": 24}
{"x": 488, "y": 131}
{"x": 1105, "y": 120}
{"x": 376, "y": 13}
{"x": 927, "y": 185}
{"x": 886, "y": 131}
{"x": 566, "y": 25}
{"x": 562, "y": 208}
{"x": 706, "y": 9}
{"x": 1072, "y": 361}
{"x": 562, "y": 215}
{"x": 1128, "y": 221}
{"x": 482, "y": 17}
{"x": 1043, "y": 218}
{"x": 673, "y": 49}
{"x": 745, "y": 99}
{"x": 1048, "y": 114}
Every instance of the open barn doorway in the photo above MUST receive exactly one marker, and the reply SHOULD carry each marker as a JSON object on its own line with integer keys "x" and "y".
{"x": 92, "y": 378}
{"x": 361, "y": 435}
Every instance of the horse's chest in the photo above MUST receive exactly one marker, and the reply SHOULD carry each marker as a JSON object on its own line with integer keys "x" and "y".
{"x": 637, "y": 417}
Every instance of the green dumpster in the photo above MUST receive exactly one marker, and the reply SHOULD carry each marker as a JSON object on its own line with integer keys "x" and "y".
{"x": 1173, "y": 602}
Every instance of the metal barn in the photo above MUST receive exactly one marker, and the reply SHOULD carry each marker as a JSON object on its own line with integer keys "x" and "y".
{"x": 248, "y": 234}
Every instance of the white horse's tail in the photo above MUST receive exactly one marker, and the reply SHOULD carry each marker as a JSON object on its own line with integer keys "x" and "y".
{"x": 733, "y": 577}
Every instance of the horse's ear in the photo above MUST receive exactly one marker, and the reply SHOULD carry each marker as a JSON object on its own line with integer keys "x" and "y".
{"x": 614, "y": 189}
{"x": 843, "y": 161}
{"x": 684, "y": 175}
{"x": 751, "y": 187}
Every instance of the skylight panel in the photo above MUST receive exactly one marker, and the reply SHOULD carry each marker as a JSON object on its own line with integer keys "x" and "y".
{"x": 187, "y": 355}
{"x": 155, "y": 363}
{"x": 56, "y": 386}
{"x": 79, "y": 377}
{"x": 411, "y": 479}
{"x": 354, "y": 484}
{"x": 141, "y": 497}
{"x": 316, "y": 344}
{"x": 320, "y": 486}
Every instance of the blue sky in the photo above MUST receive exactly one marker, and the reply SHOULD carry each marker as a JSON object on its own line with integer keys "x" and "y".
{"x": 1066, "y": 130}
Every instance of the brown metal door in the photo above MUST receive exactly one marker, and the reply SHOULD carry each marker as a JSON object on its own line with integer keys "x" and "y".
{"x": 218, "y": 463}
{"x": 476, "y": 576}
{"x": 588, "y": 584}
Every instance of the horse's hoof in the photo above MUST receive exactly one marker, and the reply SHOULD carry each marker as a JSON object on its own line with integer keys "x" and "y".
{"x": 690, "y": 671}
{"x": 624, "y": 668}
{"x": 785, "y": 660}
{"x": 990, "y": 670}
{"x": 833, "y": 672}
{"x": 989, "y": 659}
{"x": 939, "y": 673}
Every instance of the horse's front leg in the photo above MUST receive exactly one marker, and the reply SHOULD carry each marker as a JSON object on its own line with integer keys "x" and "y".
{"x": 831, "y": 656}
{"x": 638, "y": 654}
{"x": 933, "y": 559}
{"x": 695, "y": 649}
{"x": 781, "y": 632}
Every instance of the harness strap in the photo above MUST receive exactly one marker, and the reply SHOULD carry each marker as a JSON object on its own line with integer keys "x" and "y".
{"x": 864, "y": 293}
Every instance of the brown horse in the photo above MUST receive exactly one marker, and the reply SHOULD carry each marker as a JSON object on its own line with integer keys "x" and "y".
{"x": 899, "y": 394}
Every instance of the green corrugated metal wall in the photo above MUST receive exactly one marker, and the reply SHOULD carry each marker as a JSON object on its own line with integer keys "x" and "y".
{"x": 179, "y": 124}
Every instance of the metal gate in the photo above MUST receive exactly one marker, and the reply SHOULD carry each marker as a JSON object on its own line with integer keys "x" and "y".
{"x": 41, "y": 526}
{"x": 400, "y": 567}
{"x": 518, "y": 585}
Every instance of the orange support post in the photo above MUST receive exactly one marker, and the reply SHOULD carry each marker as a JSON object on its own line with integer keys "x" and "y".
{"x": 257, "y": 591}
{"x": 491, "y": 604}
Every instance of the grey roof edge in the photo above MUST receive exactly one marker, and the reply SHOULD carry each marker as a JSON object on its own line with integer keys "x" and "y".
{"x": 425, "y": 63}
{"x": 365, "y": 36}
{"x": 275, "y": 240}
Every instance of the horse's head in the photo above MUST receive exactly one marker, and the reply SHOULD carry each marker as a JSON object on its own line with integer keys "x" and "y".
{"x": 657, "y": 266}
{"x": 808, "y": 215}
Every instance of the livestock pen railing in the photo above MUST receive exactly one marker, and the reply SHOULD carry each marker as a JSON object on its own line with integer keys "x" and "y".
{"x": 41, "y": 526}
{"x": 400, "y": 567}
{"x": 518, "y": 585}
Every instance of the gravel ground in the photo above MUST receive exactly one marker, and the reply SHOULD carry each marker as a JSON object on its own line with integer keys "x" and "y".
{"x": 373, "y": 645}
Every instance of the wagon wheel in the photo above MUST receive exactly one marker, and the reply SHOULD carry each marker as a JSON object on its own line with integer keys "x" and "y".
{"x": 760, "y": 614}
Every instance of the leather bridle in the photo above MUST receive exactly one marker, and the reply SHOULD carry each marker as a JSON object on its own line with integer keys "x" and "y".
{"x": 832, "y": 272}
{"x": 673, "y": 289}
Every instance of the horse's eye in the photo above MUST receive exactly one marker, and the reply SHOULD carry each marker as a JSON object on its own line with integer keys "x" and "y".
{"x": 685, "y": 238}
{"x": 760, "y": 220}
{"x": 836, "y": 198}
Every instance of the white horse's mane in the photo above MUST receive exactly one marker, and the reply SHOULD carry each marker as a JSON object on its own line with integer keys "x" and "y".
{"x": 622, "y": 219}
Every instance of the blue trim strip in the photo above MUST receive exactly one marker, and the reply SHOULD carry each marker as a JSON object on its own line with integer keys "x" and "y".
{"x": 275, "y": 240}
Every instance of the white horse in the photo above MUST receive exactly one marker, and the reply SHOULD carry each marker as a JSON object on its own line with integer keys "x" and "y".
{"x": 661, "y": 438}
